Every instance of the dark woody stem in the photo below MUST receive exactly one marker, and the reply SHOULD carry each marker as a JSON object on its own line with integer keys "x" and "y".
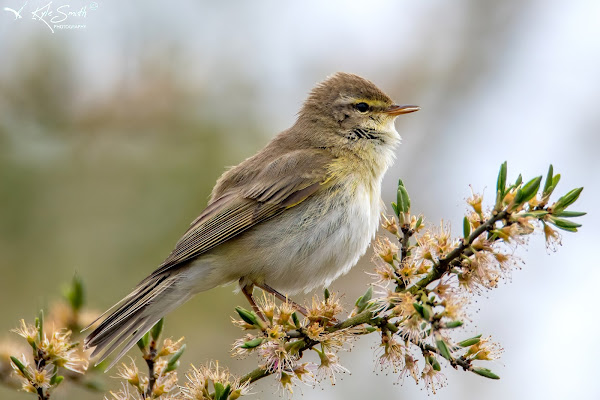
{"x": 443, "y": 264}
{"x": 150, "y": 361}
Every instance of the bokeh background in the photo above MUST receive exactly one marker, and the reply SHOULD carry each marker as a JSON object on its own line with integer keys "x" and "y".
{"x": 112, "y": 135}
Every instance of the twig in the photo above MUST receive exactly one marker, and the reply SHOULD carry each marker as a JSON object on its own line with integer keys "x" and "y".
{"x": 443, "y": 264}
{"x": 150, "y": 361}
{"x": 367, "y": 317}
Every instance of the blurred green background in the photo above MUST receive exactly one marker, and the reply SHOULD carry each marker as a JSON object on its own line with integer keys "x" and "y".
{"x": 112, "y": 135}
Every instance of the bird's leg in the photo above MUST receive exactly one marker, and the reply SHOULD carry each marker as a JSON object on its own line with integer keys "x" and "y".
{"x": 283, "y": 298}
{"x": 247, "y": 290}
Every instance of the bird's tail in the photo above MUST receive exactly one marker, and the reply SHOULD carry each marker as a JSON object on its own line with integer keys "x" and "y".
{"x": 134, "y": 316}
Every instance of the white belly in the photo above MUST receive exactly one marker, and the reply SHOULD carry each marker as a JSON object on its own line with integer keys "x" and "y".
{"x": 305, "y": 247}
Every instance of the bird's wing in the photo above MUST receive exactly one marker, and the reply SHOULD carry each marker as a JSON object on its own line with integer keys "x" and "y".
{"x": 282, "y": 183}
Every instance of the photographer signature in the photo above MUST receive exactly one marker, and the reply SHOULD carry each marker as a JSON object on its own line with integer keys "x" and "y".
{"x": 55, "y": 17}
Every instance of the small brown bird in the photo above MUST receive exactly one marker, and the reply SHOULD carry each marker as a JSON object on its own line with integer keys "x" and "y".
{"x": 293, "y": 217}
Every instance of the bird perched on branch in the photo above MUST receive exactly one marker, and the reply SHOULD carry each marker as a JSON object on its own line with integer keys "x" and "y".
{"x": 293, "y": 217}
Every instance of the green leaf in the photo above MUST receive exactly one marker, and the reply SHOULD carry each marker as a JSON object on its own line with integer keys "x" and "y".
{"x": 536, "y": 213}
{"x": 567, "y": 200}
{"x": 363, "y": 301}
{"x": 470, "y": 341}
{"x": 453, "y": 324}
{"x": 528, "y": 191}
{"x": 443, "y": 348}
{"x": 157, "y": 329}
{"x": 564, "y": 224}
{"x": 434, "y": 363}
{"x": 519, "y": 180}
{"x": 223, "y": 391}
{"x": 419, "y": 308}
{"x": 403, "y": 200}
{"x": 173, "y": 362}
{"x": 501, "y": 183}
{"x": 39, "y": 323}
{"x": 219, "y": 389}
{"x": 250, "y": 344}
{"x": 75, "y": 294}
{"x": 466, "y": 228}
{"x": 548, "y": 182}
{"x": 395, "y": 207}
{"x": 21, "y": 367}
{"x": 296, "y": 320}
{"x": 143, "y": 342}
{"x": 485, "y": 372}
{"x": 248, "y": 316}
{"x": 419, "y": 222}
{"x": 56, "y": 379}
{"x": 570, "y": 214}
{"x": 555, "y": 181}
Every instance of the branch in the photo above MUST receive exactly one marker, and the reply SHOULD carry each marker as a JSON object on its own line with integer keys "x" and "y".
{"x": 441, "y": 267}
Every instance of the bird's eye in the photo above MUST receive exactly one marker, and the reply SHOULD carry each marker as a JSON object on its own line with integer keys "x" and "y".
{"x": 362, "y": 107}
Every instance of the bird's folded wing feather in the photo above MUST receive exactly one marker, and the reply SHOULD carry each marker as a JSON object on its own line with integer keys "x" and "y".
{"x": 280, "y": 184}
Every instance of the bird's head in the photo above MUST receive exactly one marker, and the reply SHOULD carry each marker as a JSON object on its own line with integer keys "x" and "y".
{"x": 350, "y": 112}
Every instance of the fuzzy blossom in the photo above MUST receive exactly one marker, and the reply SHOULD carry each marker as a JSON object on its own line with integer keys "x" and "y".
{"x": 284, "y": 313}
{"x": 300, "y": 373}
{"x": 132, "y": 375}
{"x": 196, "y": 387}
{"x": 480, "y": 271}
{"x": 276, "y": 357}
{"x": 275, "y": 332}
{"x": 286, "y": 380}
{"x": 432, "y": 378}
{"x": 329, "y": 366}
{"x": 411, "y": 368}
{"x": 475, "y": 201}
{"x": 240, "y": 350}
{"x": 475, "y": 220}
{"x": 411, "y": 328}
{"x": 408, "y": 270}
{"x": 443, "y": 242}
{"x": 324, "y": 311}
{"x": 314, "y": 331}
{"x": 166, "y": 381}
{"x": 393, "y": 353}
{"x": 124, "y": 394}
{"x": 170, "y": 347}
{"x": 416, "y": 223}
{"x": 384, "y": 273}
{"x": 267, "y": 306}
{"x": 553, "y": 239}
{"x": 41, "y": 378}
{"x": 27, "y": 331}
{"x": 484, "y": 350}
{"x": 426, "y": 247}
{"x": 455, "y": 307}
{"x": 389, "y": 225}
{"x": 198, "y": 379}
{"x": 444, "y": 289}
{"x": 386, "y": 249}
{"x": 62, "y": 352}
{"x": 25, "y": 376}
{"x": 402, "y": 303}
{"x": 305, "y": 373}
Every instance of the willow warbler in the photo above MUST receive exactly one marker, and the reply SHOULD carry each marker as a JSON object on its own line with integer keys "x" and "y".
{"x": 293, "y": 217}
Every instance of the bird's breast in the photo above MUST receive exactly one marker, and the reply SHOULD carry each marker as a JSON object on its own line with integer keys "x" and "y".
{"x": 316, "y": 241}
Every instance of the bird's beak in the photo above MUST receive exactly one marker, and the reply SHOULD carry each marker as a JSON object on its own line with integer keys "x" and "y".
{"x": 404, "y": 109}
